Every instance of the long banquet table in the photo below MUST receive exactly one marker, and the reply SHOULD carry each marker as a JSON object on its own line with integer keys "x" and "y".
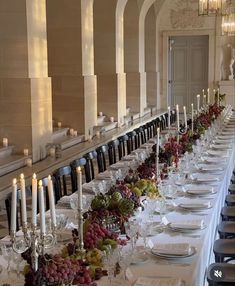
{"x": 191, "y": 270}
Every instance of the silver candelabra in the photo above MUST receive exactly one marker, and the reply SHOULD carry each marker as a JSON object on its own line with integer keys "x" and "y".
{"x": 35, "y": 240}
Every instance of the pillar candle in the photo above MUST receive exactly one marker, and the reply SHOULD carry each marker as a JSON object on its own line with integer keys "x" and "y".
{"x": 192, "y": 114}
{"x": 34, "y": 200}
{"x": 4, "y": 142}
{"x": 178, "y": 118}
{"x": 169, "y": 117}
{"x": 26, "y": 152}
{"x": 198, "y": 102}
{"x": 59, "y": 124}
{"x": 79, "y": 184}
{"x": 51, "y": 201}
{"x": 203, "y": 92}
{"x": 13, "y": 205}
{"x": 42, "y": 209}
{"x": 185, "y": 117}
{"x": 208, "y": 96}
{"x": 23, "y": 199}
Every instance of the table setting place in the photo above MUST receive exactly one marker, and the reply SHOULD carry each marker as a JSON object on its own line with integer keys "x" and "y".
{"x": 163, "y": 229}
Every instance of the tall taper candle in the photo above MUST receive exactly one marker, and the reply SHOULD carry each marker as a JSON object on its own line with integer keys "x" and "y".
{"x": 34, "y": 199}
{"x": 13, "y": 205}
{"x": 214, "y": 92}
{"x": 178, "y": 117}
{"x": 79, "y": 182}
{"x": 208, "y": 96}
{"x": 185, "y": 117}
{"x": 198, "y": 102}
{"x": 169, "y": 117}
{"x": 51, "y": 201}
{"x": 23, "y": 199}
{"x": 42, "y": 209}
{"x": 157, "y": 152}
{"x": 192, "y": 110}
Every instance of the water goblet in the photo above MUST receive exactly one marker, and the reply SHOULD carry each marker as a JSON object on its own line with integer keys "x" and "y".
{"x": 7, "y": 253}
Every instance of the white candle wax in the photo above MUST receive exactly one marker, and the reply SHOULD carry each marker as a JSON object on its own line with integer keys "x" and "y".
{"x": 214, "y": 95}
{"x": 51, "y": 201}
{"x": 185, "y": 117}
{"x": 13, "y": 205}
{"x": 23, "y": 199}
{"x": 204, "y": 99}
{"x": 59, "y": 124}
{"x": 34, "y": 200}
{"x": 198, "y": 102}
{"x": 42, "y": 209}
{"x": 203, "y": 92}
{"x": 100, "y": 113}
{"x": 208, "y": 96}
{"x": 218, "y": 91}
{"x": 192, "y": 110}
{"x": 4, "y": 142}
{"x": 75, "y": 133}
{"x": 158, "y": 140}
{"x": 79, "y": 184}
{"x": 26, "y": 152}
{"x": 169, "y": 117}
{"x": 178, "y": 117}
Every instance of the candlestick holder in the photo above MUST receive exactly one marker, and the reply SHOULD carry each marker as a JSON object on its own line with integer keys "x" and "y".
{"x": 81, "y": 249}
{"x": 33, "y": 239}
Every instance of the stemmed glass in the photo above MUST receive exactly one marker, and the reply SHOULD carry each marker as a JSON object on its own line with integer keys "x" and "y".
{"x": 110, "y": 259}
{"x": 131, "y": 229}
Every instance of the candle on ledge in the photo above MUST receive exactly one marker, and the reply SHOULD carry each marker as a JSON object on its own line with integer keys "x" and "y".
{"x": 178, "y": 117}
{"x": 192, "y": 110}
{"x": 185, "y": 117}
{"x": 42, "y": 209}
{"x": 34, "y": 199}
{"x": 51, "y": 201}
{"x": 169, "y": 117}
{"x": 208, "y": 96}
{"x": 71, "y": 132}
{"x": 157, "y": 151}
{"x": 100, "y": 113}
{"x": 4, "y": 142}
{"x": 198, "y": 102}
{"x": 79, "y": 187}
{"x": 13, "y": 205}
{"x": 23, "y": 199}
{"x": 59, "y": 124}
{"x": 203, "y": 92}
{"x": 75, "y": 133}
{"x": 218, "y": 92}
{"x": 26, "y": 152}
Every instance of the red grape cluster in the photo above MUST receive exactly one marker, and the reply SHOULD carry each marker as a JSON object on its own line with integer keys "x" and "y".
{"x": 145, "y": 171}
{"x": 94, "y": 233}
{"x": 65, "y": 270}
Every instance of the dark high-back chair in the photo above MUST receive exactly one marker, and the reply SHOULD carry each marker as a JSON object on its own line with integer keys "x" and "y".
{"x": 112, "y": 151}
{"x": 131, "y": 141}
{"x": 122, "y": 147}
{"x": 80, "y": 162}
{"x": 102, "y": 151}
{"x": 63, "y": 182}
{"x": 89, "y": 166}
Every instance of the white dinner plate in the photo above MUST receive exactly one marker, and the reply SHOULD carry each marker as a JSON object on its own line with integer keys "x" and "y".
{"x": 185, "y": 229}
{"x": 192, "y": 251}
{"x": 194, "y": 207}
{"x": 204, "y": 178}
{"x": 201, "y": 193}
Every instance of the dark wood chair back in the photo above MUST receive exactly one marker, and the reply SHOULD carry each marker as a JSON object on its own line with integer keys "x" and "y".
{"x": 80, "y": 162}
{"x": 89, "y": 166}
{"x": 63, "y": 182}
{"x": 122, "y": 147}
{"x": 112, "y": 151}
{"x": 102, "y": 151}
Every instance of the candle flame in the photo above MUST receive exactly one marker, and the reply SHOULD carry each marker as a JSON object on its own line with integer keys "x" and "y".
{"x": 49, "y": 177}
{"x": 22, "y": 176}
{"x": 14, "y": 181}
{"x": 34, "y": 176}
{"x": 40, "y": 183}
{"x": 198, "y": 95}
{"x": 191, "y": 104}
{"x": 78, "y": 169}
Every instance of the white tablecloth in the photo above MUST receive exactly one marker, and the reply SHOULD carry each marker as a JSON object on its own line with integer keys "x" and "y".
{"x": 192, "y": 269}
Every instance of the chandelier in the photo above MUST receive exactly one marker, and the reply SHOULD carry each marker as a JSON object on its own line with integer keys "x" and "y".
{"x": 228, "y": 22}
{"x": 210, "y": 7}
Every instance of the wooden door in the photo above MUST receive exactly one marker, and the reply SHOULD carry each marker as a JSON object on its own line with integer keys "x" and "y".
{"x": 188, "y": 68}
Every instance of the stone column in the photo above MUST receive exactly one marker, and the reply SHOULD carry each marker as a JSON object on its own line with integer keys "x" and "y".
{"x": 25, "y": 88}
{"x": 71, "y": 63}
{"x": 108, "y": 41}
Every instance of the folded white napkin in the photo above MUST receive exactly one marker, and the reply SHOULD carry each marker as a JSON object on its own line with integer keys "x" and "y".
{"x": 190, "y": 224}
{"x": 180, "y": 249}
{"x": 151, "y": 281}
{"x": 220, "y": 147}
{"x": 195, "y": 205}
